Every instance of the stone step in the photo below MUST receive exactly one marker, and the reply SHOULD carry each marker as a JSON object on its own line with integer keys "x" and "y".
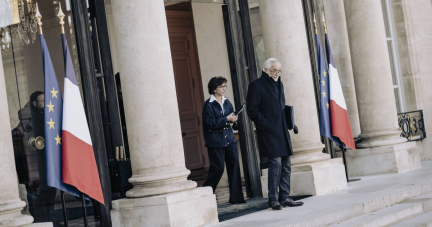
{"x": 424, "y": 220}
{"x": 384, "y": 217}
{"x": 397, "y": 213}
{"x": 361, "y": 205}
{"x": 355, "y": 206}
{"x": 370, "y": 194}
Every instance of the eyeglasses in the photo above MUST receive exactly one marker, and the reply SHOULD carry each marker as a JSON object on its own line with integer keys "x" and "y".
{"x": 275, "y": 71}
{"x": 223, "y": 87}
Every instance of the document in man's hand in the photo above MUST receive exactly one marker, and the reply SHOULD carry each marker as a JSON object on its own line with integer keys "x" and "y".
{"x": 289, "y": 115}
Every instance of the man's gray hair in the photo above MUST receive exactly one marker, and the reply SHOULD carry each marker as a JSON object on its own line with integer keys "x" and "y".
{"x": 269, "y": 62}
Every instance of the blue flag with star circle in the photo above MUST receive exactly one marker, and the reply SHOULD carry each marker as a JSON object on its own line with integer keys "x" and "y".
{"x": 53, "y": 108}
{"x": 324, "y": 108}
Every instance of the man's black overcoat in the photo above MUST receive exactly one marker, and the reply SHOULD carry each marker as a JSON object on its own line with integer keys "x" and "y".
{"x": 266, "y": 107}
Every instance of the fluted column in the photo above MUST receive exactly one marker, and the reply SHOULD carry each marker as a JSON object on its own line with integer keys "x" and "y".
{"x": 285, "y": 39}
{"x": 382, "y": 150}
{"x": 150, "y": 101}
{"x": 10, "y": 203}
{"x": 338, "y": 36}
{"x": 162, "y": 195}
{"x": 372, "y": 74}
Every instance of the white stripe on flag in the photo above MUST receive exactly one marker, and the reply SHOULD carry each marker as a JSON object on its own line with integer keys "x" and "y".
{"x": 336, "y": 93}
{"x": 74, "y": 119}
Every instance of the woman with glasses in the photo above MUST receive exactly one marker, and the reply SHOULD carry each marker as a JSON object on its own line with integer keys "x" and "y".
{"x": 220, "y": 141}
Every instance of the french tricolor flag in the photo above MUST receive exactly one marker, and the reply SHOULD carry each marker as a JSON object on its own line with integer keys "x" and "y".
{"x": 340, "y": 123}
{"x": 78, "y": 160}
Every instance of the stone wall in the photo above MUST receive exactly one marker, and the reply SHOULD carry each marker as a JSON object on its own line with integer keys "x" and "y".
{"x": 414, "y": 31}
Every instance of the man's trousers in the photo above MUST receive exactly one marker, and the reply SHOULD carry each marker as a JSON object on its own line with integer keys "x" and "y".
{"x": 279, "y": 173}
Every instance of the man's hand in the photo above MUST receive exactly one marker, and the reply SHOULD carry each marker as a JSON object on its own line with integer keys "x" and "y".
{"x": 295, "y": 129}
{"x": 232, "y": 118}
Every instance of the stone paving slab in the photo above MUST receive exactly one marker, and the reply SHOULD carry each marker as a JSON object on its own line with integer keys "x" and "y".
{"x": 360, "y": 197}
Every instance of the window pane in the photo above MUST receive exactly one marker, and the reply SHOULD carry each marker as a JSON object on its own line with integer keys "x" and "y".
{"x": 392, "y": 64}
{"x": 257, "y": 34}
{"x": 386, "y": 21}
{"x": 397, "y": 100}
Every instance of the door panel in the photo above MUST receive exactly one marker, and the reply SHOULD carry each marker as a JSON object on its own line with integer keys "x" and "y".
{"x": 188, "y": 86}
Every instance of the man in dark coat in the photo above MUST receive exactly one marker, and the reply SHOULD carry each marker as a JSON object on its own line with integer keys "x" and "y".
{"x": 266, "y": 108}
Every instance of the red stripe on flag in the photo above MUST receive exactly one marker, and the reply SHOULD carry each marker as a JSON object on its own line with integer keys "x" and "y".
{"x": 79, "y": 166}
{"x": 340, "y": 124}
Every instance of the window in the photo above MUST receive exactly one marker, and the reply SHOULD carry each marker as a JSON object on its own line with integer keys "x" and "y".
{"x": 393, "y": 54}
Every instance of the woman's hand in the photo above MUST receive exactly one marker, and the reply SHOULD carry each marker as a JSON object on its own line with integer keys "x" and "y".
{"x": 232, "y": 118}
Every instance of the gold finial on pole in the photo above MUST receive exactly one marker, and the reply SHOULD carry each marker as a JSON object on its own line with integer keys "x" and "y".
{"x": 39, "y": 18}
{"x": 324, "y": 23}
{"x": 315, "y": 22}
{"x": 61, "y": 16}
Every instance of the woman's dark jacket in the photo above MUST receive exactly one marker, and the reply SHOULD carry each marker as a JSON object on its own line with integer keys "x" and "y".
{"x": 266, "y": 107}
{"x": 217, "y": 129}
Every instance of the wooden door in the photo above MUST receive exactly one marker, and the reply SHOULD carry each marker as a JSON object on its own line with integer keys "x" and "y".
{"x": 188, "y": 86}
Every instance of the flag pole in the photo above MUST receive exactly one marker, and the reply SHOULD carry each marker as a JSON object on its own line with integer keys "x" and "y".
{"x": 61, "y": 15}
{"x": 66, "y": 224}
{"x": 84, "y": 209}
{"x": 344, "y": 161}
{"x": 39, "y": 18}
{"x": 65, "y": 218}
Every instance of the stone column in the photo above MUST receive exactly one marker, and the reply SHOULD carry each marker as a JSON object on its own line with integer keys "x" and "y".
{"x": 382, "y": 150}
{"x": 162, "y": 195}
{"x": 338, "y": 36}
{"x": 10, "y": 203}
{"x": 285, "y": 39}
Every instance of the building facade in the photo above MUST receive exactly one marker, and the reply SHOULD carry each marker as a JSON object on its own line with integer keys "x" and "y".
{"x": 143, "y": 69}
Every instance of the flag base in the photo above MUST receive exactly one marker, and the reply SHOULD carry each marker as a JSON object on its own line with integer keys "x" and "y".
{"x": 195, "y": 207}
{"x": 397, "y": 158}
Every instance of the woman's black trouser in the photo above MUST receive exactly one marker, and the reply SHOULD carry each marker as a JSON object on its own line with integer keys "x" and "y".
{"x": 218, "y": 156}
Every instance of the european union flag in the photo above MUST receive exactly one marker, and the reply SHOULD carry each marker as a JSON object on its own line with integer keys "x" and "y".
{"x": 324, "y": 109}
{"x": 53, "y": 124}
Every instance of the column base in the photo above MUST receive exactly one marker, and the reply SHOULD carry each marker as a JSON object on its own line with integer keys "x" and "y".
{"x": 10, "y": 214}
{"x": 196, "y": 207}
{"x": 44, "y": 224}
{"x": 317, "y": 178}
{"x": 396, "y": 158}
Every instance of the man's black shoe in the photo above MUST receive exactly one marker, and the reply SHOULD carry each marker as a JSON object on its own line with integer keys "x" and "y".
{"x": 275, "y": 205}
{"x": 290, "y": 203}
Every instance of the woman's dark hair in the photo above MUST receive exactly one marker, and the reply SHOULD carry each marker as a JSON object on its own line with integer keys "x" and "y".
{"x": 215, "y": 82}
